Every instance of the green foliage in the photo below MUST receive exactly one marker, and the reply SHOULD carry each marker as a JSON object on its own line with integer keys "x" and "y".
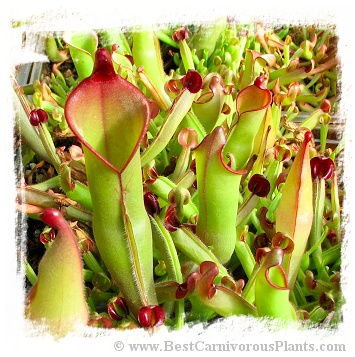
{"x": 167, "y": 147}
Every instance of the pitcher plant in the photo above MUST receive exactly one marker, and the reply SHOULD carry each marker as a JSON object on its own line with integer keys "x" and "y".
{"x": 181, "y": 178}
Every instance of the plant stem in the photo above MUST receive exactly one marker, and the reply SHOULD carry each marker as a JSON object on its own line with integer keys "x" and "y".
{"x": 48, "y": 145}
{"x": 243, "y": 251}
{"x": 146, "y": 53}
{"x": 88, "y": 275}
{"x": 186, "y": 56}
{"x": 164, "y": 37}
{"x": 51, "y": 183}
{"x": 317, "y": 227}
{"x": 167, "y": 248}
{"x": 30, "y": 274}
{"x": 92, "y": 263}
{"x": 191, "y": 246}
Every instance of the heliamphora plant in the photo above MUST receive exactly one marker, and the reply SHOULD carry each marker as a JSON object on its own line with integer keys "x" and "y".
{"x": 189, "y": 177}
{"x": 57, "y": 299}
{"x": 100, "y": 112}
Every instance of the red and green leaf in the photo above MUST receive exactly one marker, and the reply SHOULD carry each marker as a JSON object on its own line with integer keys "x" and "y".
{"x": 294, "y": 214}
{"x": 57, "y": 300}
{"x": 110, "y": 117}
